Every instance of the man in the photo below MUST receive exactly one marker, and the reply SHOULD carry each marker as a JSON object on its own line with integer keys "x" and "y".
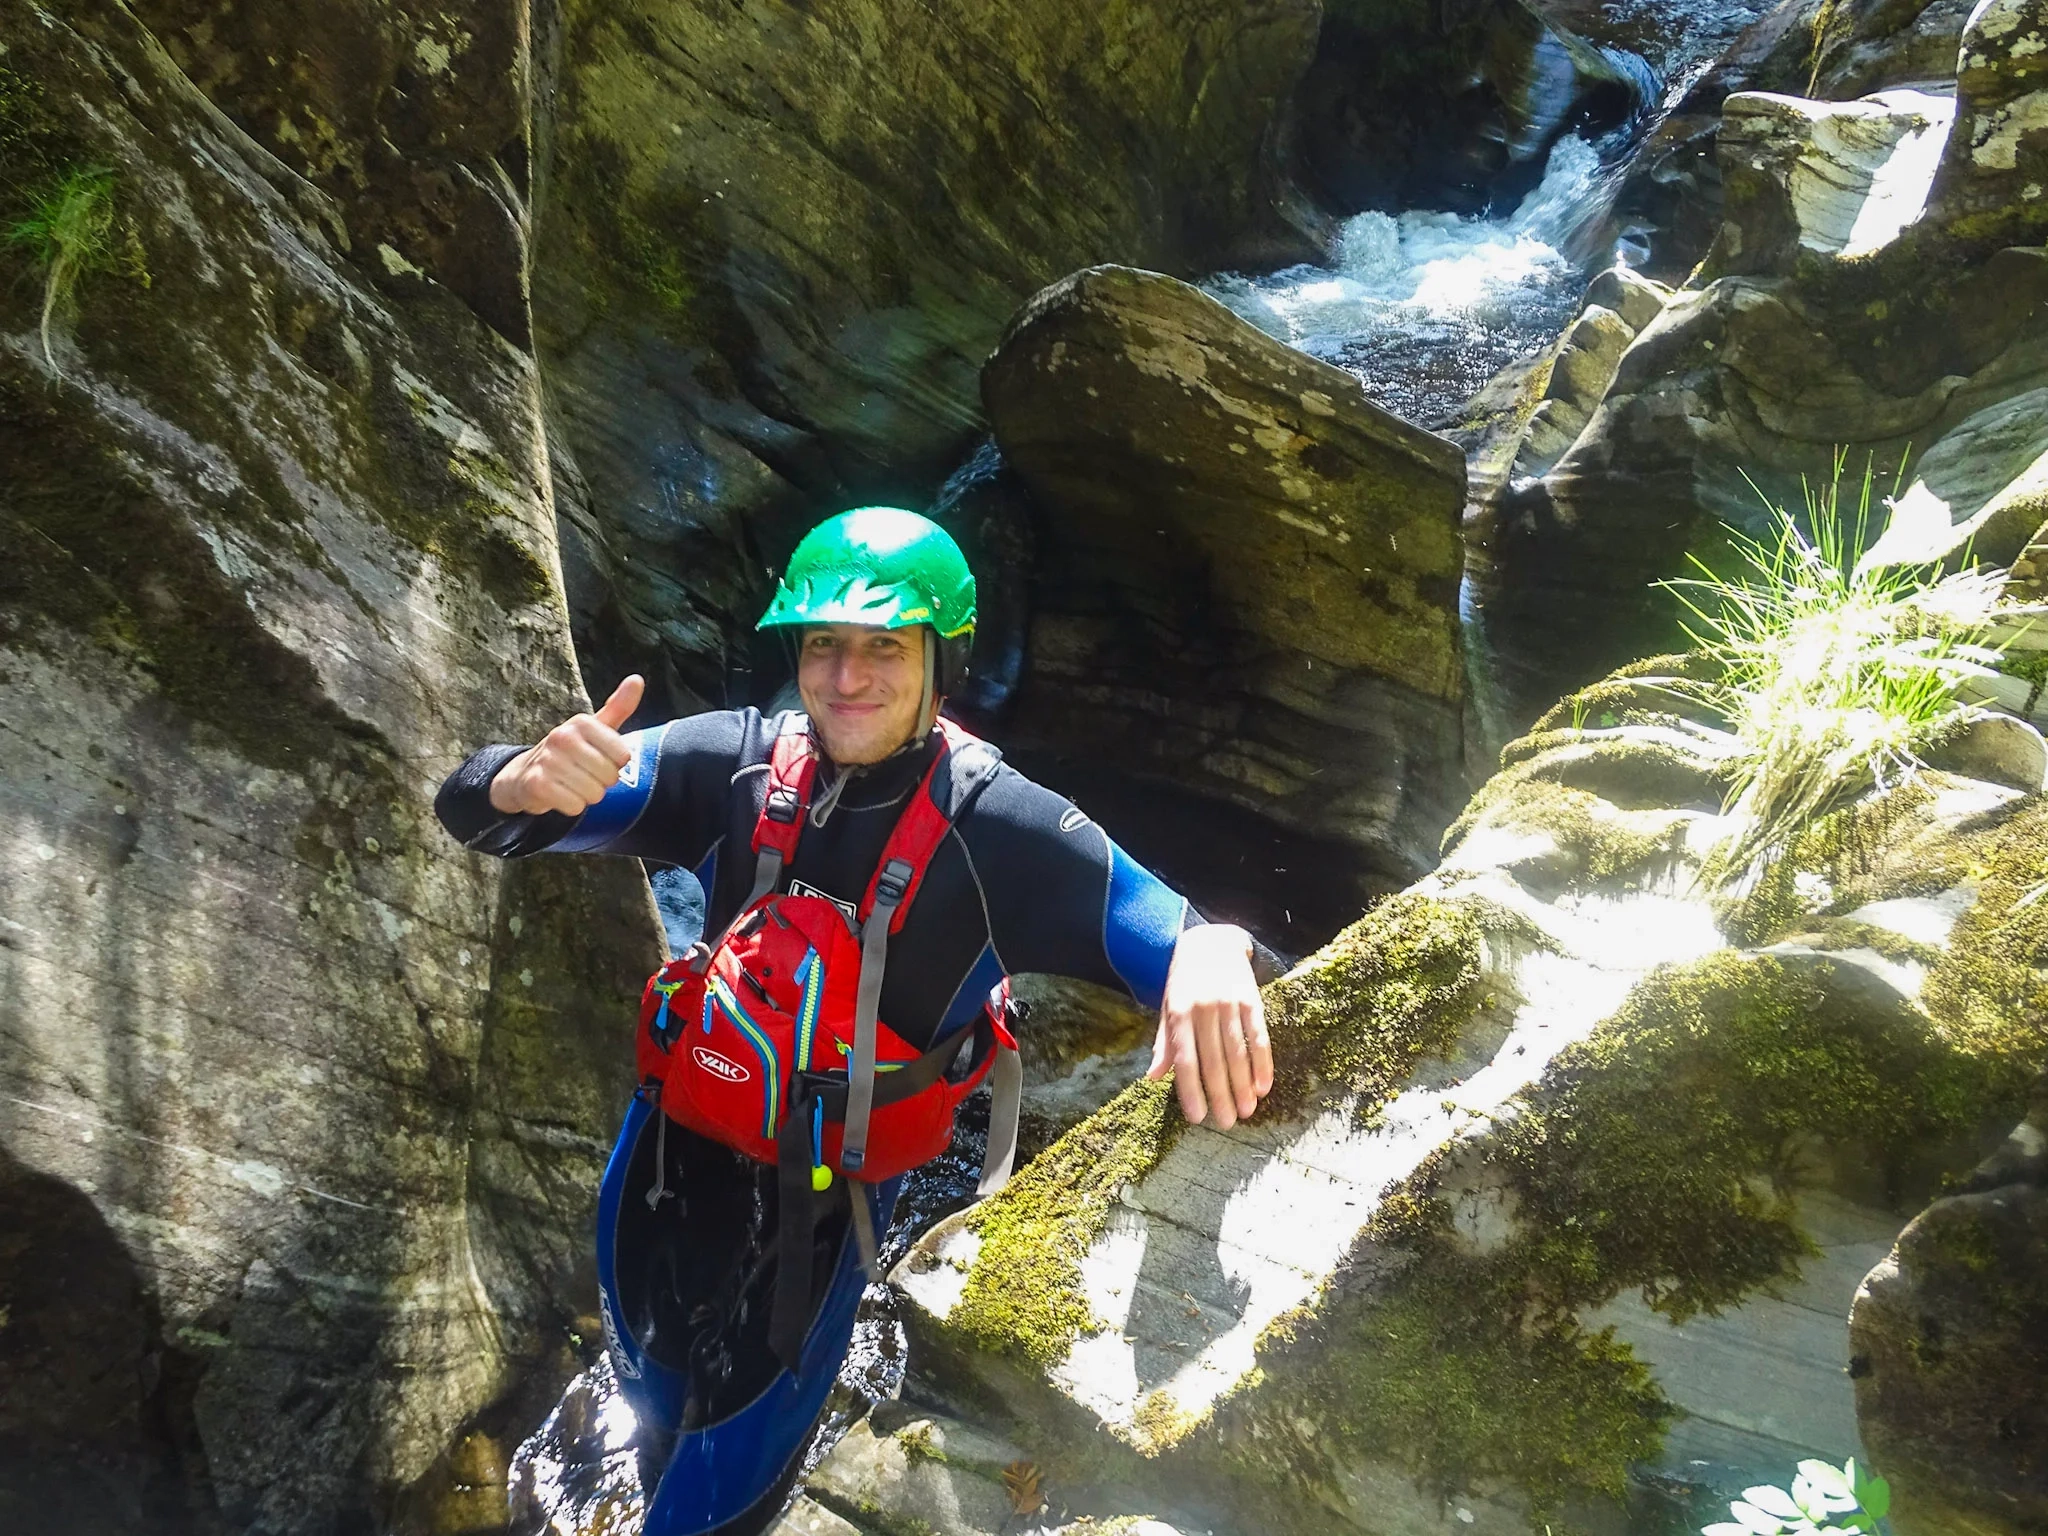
{"x": 1025, "y": 881}
{"x": 880, "y": 604}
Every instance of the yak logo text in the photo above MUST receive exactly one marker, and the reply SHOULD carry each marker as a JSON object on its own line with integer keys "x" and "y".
{"x": 721, "y": 1066}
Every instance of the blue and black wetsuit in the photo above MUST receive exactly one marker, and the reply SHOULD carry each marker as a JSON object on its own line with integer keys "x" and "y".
{"x": 1023, "y": 882}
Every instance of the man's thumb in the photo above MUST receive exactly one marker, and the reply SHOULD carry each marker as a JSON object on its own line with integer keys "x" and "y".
{"x": 624, "y": 700}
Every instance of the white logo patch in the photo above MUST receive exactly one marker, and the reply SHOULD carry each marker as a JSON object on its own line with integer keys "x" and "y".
{"x": 630, "y": 774}
{"x": 1074, "y": 820}
{"x": 847, "y": 908}
{"x": 720, "y": 1066}
{"x": 620, "y": 1356}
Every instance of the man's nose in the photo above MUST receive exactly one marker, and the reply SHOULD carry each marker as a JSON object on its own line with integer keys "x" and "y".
{"x": 850, "y": 675}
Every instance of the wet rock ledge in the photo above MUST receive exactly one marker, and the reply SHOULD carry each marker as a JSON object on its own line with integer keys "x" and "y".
{"x": 1571, "y": 1174}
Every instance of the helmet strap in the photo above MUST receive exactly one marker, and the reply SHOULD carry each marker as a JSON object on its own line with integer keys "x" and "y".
{"x": 928, "y": 703}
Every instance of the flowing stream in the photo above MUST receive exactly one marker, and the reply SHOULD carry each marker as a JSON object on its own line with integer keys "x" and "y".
{"x": 1423, "y": 307}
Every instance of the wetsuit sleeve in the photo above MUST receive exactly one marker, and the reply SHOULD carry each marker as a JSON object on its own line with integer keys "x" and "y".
{"x": 668, "y": 805}
{"x": 1063, "y": 898}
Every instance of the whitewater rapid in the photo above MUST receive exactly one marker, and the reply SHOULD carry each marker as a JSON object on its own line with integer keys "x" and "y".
{"x": 1423, "y": 308}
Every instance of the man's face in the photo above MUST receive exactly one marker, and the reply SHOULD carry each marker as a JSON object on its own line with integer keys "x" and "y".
{"x": 861, "y": 687}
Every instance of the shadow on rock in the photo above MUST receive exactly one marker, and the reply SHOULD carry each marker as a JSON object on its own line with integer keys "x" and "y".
{"x": 95, "y": 1410}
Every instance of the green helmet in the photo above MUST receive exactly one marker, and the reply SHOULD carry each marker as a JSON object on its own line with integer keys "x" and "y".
{"x": 886, "y": 567}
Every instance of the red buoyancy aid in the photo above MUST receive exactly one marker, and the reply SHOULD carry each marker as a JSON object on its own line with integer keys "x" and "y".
{"x": 768, "y": 1039}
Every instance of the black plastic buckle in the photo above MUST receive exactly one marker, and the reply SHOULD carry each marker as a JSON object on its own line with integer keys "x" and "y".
{"x": 783, "y": 804}
{"x": 829, "y": 1086}
{"x": 893, "y": 882}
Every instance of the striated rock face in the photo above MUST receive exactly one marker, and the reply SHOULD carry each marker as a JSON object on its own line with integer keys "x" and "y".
{"x": 1853, "y": 304}
{"x": 1414, "y": 104}
{"x": 1950, "y": 1335}
{"x": 1830, "y": 178}
{"x": 780, "y": 240}
{"x": 1832, "y": 52}
{"x": 905, "y": 1469}
{"x": 307, "y": 1109}
{"x": 1560, "y": 1142}
{"x": 1247, "y": 573}
{"x": 1619, "y": 304}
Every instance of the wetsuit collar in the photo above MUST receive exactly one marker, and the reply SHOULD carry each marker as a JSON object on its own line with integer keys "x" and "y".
{"x": 871, "y": 784}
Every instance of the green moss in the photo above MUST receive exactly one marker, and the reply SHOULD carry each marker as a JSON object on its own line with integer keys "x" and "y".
{"x": 1990, "y": 989}
{"x": 1632, "y": 771}
{"x": 920, "y": 1443}
{"x": 1661, "y": 690}
{"x": 872, "y": 1518}
{"x": 645, "y": 242}
{"x": 1658, "y": 1156}
{"x": 1843, "y": 847}
{"x": 1606, "y": 800}
{"x": 1604, "y": 844}
{"x": 1024, "y": 1294}
{"x": 1159, "y": 1422}
{"x": 1459, "y": 1384}
{"x": 1839, "y": 933}
{"x": 2031, "y": 667}
{"x": 1399, "y": 984}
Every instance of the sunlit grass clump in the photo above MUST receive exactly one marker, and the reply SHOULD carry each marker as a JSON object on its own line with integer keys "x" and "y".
{"x": 1834, "y": 674}
{"x": 68, "y": 232}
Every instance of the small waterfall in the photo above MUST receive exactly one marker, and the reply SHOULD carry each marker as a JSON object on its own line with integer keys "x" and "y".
{"x": 1423, "y": 307}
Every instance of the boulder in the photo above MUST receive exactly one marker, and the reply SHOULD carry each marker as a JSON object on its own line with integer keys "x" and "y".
{"x": 1832, "y": 178}
{"x": 1982, "y": 485}
{"x": 1869, "y": 45}
{"x": 779, "y": 239}
{"x": 1832, "y": 53}
{"x": 316, "y": 1103}
{"x": 1563, "y": 1145}
{"x": 1619, "y": 303}
{"x": 1248, "y": 573}
{"x": 2028, "y": 578}
{"x": 909, "y": 1468}
{"x": 1950, "y": 1333}
{"x": 1991, "y": 187}
{"x": 2021, "y": 637}
{"x": 1996, "y": 747}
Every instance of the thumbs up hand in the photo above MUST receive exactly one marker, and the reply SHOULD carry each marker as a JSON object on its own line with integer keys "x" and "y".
{"x": 574, "y": 764}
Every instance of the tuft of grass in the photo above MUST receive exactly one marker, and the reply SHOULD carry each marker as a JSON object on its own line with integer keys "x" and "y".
{"x": 1834, "y": 672}
{"x": 68, "y": 232}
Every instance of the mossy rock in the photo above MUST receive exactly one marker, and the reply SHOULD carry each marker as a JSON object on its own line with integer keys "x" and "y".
{"x": 1668, "y": 1144}
{"x": 1348, "y": 1026}
{"x": 1660, "y": 1157}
